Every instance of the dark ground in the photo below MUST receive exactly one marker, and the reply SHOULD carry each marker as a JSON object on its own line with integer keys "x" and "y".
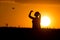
{"x": 28, "y": 33}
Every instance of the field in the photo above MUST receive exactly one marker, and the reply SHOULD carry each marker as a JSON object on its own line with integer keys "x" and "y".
{"x": 29, "y": 33}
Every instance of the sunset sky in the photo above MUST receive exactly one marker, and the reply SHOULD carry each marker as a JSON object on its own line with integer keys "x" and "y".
{"x": 15, "y": 12}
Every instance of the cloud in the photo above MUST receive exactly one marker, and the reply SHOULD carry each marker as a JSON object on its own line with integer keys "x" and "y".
{"x": 39, "y": 1}
{"x": 36, "y": 1}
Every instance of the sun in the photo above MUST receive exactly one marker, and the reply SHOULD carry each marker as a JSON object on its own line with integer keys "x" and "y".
{"x": 45, "y": 21}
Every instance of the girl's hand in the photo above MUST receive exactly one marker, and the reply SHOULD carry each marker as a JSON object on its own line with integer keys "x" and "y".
{"x": 31, "y": 11}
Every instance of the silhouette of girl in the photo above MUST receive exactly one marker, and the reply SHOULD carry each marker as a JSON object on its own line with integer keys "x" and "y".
{"x": 35, "y": 20}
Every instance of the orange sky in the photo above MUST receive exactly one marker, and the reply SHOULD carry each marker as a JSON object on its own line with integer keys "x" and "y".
{"x": 19, "y": 16}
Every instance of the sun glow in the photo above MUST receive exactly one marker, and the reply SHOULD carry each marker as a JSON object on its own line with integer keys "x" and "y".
{"x": 45, "y": 21}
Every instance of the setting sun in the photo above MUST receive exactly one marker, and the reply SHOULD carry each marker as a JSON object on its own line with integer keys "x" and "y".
{"x": 45, "y": 21}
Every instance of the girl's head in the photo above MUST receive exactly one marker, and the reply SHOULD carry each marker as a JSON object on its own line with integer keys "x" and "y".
{"x": 36, "y": 14}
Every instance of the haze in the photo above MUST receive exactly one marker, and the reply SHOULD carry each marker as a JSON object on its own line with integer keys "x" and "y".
{"x": 16, "y": 12}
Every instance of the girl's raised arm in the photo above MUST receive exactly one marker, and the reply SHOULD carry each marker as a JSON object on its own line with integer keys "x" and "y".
{"x": 30, "y": 14}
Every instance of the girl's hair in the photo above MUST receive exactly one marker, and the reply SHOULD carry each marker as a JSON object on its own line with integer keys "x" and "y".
{"x": 36, "y": 14}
